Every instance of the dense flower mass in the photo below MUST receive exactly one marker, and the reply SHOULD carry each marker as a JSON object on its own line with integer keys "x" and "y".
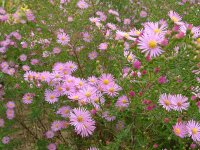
{"x": 92, "y": 75}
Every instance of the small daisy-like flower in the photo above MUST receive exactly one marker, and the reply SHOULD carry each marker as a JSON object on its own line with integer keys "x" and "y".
{"x": 106, "y": 80}
{"x": 166, "y": 101}
{"x": 63, "y": 38}
{"x": 5, "y": 140}
{"x": 193, "y": 129}
{"x": 49, "y": 134}
{"x": 51, "y": 96}
{"x": 27, "y": 98}
{"x": 180, "y": 129}
{"x": 2, "y": 123}
{"x": 52, "y": 146}
{"x": 108, "y": 117}
{"x": 122, "y": 102}
{"x": 180, "y": 102}
{"x": 10, "y": 114}
{"x": 56, "y": 126}
{"x": 92, "y": 55}
{"x": 156, "y": 28}
{"x": 87, "y": 93}
{"x": 64, "y": 111}
{"x": 10, "y": 105}
{"x": 103, "y": 46}
{"x": 92, "y": 80}
{"x": 83, "y": 122}
{"x": 135, "y": 32}
{"x": 149, "y": 44}
{"x": 112, "y": 90}
{"x": 175, "y": 17}
{"x": 82, "y": 4}
{"x": 125, "y": 35}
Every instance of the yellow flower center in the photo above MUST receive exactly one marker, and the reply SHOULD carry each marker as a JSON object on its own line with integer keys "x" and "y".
{"x": 80, "y": 83}
{"x": 174, "y": 19}
{"x": 52, "y": 97}
{"x": 105, "y": 81}
{"x": 96, "y": 100}
{"x": 66, "y": 111}
{"x": 194, "y": 130}
{"x": 126, "y": 35}
{"x": 167, "y": 102}
{"x": 75, "y": 97}
{"x": 137, "y": 32}
{"x": 198, "y": 40}
{"x": 130, "y": 57}
{"x": 87, "y": 94}
{"x": 59, "y": 89}
{"x": 152, "y": 44}
{"x": 63, "y": 38}
{"x": 80, "y": 118}
{"x": 157, "y": 30}
{"x": 177, "y": 131}
{"x": 124, "y": 101}
{"x": 111, "y": 90}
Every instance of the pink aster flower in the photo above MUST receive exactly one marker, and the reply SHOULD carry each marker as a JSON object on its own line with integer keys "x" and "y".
{"x": 92, "y": 80}
{"x": 92, "y": 55}
{"x": 166, "y": 101}
{"x": 63, "y": 38}
{"x": 175, "y": 17}
{"x": 56, "y": 50}
{"x": 56, "y": 126}
{"x": 87, "y": 93}
{"x": 34, "y": 61}
{"x": 1, "y": 123}
{"x": 87, "y": 37}
{"x": 143, "y": 14}
{"x": 64, "y": 111}
{"x": 83, "y": 122}
{"x": 149, "y": 44}
{"x": 180, "y": 102}
{"x": 5, "y": 140}
{"x": 10, "y": 105}
{"x": 122, "y": 102}
{"x": 103, "y": 46}
{"x": 157, "y": 28}
{"x": 10, "y": 113}
{"x": 112, "y": 89}
{"x": 23, "y": 57}
{"x": 50, "y": 96}
{"x": 180, "y": 129}
{"x": 82, "y": 4}
{"x": 52, "y": 146}
{"x": 108, "y": 117}
{"x": 125, "y": 35}
{"x": 106, "y": 80}
{"x": 49, "y": 134}
{"x": 193, "y": 129}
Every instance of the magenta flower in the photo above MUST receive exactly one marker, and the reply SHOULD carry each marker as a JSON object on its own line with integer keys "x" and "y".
{"x": 193, "y": 129}
{"x": 83, "y": 122}
{"x": 10, "y": 105}
{"x": 10, "y": 114}
{"x": 92, "y": 55}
